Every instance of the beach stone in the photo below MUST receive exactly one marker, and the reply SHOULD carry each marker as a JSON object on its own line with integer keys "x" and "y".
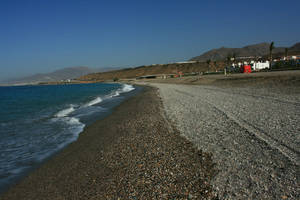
{"x": 135, "y": 153}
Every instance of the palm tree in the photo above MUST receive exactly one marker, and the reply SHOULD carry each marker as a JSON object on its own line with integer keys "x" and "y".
{"x": 215, "y": 64}
{"x": 228, "y": 58}
{"x": 208, "y": 62}
{"x": 234, "y": 56}
{"x": 286, "y": 52}
{"x": 271, "y": 52}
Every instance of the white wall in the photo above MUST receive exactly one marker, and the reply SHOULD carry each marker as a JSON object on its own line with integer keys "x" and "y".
{"x": 261, "y": 65}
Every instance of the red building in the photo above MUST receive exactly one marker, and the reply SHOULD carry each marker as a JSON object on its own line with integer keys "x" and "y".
{"x": 246, "y": 69}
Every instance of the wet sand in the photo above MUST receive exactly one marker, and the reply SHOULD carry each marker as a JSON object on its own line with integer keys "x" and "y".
{"x": 132, "y": 154}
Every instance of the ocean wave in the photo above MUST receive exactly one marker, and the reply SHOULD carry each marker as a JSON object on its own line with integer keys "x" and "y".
{"x": 65, "y": 112}
{"x": 73, "y": 121}
{"x": 93, "y": 102}
{"x": 116, "y": 93}
{"x": 127, "y": 88}
{"x": 75, "y": 127}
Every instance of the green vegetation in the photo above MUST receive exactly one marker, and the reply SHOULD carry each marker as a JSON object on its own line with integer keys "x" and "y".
{"x": 286, "y": 65}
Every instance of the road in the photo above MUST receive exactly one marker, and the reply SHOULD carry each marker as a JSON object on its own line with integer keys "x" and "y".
{"x": 253, "y": 134}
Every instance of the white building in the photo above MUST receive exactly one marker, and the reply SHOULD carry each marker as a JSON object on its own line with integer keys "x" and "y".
{"x": 260, "y": 65}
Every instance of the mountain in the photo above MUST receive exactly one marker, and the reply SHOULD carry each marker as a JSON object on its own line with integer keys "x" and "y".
{"x": 293, "y": 50}
{"x": 58, "y": 75}
{"x": 260, "y": 49}
{"x": 295, "y": 47}
{"x": 159, "y": 69}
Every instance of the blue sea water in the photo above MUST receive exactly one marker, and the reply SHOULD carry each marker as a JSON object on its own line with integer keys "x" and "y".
{"x": 37, "y": 121}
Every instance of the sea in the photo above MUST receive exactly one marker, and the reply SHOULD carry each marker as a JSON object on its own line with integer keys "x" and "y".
{"x": 38, "y": 121}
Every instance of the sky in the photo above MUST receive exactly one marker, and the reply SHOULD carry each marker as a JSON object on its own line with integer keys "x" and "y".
{"x": 39, "y": 36}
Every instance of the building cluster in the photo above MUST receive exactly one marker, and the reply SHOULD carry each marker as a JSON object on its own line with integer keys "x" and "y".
{"x": 296, "y": 57}
{"x": 260, "y": 64}
{"x": 256, "y": 65}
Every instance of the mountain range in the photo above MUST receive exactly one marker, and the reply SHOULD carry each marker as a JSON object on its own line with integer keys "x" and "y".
{"x": 58, "y": 75}
{"x": 256, "y": 50}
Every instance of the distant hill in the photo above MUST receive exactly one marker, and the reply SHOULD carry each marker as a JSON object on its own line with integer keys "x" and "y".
{"x": 58, "y": 75}
{"x": 295, "y": 47}
{"x": 172, "y": 68}
{"x": 293, "y": 50}
{"x": 260, "y": 49}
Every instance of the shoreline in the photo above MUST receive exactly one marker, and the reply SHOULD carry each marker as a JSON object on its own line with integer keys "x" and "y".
{"x": 133, "y": 152}
{"x": 108, "y": 103}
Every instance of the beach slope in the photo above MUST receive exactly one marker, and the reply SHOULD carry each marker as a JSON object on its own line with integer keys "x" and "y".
{"x": 252, "y": 132}
{"x": 132, "y": 154}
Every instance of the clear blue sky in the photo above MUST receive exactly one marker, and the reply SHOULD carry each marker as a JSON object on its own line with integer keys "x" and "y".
{"x": 46, "y": 35}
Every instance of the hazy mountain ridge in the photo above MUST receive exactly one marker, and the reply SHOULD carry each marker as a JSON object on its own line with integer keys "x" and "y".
{"x": 295, "y": 47}
{"x": 58, "y": 75}
{"x": 260, "y": 49}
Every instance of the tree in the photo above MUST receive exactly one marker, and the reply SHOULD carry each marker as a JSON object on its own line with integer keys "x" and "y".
{"x": 228, "y": 58}
{"x": 271, "y": 52}
{"x": 227, "y": 66}
{"x": 233, "y": 56}
{"x": 286, "y": 52}
{"x": 215, "y": 65}
{"x": 208, "y": 62}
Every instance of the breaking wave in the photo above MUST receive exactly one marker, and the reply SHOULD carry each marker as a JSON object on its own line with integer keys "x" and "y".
{"x": 127, "y": 88}
{"x": 94, "y": 101}
{"x": 65, "y": 112}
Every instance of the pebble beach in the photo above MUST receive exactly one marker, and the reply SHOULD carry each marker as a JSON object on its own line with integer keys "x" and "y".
{"x": 132, "y": 154}
{"x": 232, "y": 138}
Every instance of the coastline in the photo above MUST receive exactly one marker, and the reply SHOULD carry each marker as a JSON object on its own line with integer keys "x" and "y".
{"x": 55, "y": 127}
{"x": 132, "y": 153}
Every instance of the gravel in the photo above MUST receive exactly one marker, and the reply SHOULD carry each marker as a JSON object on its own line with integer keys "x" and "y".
{"x": 132, "y": 154}
{"x": 253, "y": 134}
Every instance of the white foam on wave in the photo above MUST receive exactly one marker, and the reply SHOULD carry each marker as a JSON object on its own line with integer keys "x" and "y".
{"x": 65, "y": 112}
{"x": 73, "y": 121}
{"x": 75, "y": 127}
{"x": 127, "y": 88}
{"x": 94, "y": 101}
{"x": 114, "y": 94}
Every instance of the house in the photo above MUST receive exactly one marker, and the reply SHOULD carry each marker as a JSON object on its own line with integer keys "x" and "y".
{"x": 260, "y": 65}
